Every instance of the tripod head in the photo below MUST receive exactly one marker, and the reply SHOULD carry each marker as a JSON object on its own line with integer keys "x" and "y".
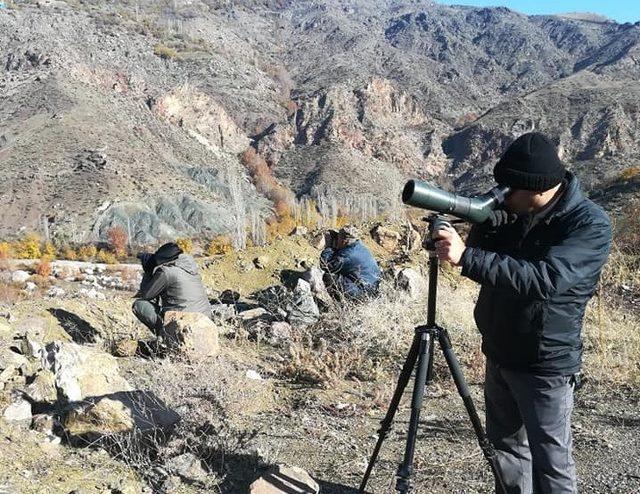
{"x": 436, "y": 222}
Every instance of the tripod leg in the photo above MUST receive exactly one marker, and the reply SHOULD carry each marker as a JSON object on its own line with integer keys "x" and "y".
{"x": 385, "y": 424}
{"x": 463, "y": 390}
{"x": 424, "y": 364}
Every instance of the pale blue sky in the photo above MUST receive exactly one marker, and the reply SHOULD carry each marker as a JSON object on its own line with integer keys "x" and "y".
{"x": 618, "y": 10}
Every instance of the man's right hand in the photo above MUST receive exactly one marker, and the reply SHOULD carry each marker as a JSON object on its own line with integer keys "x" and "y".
{"x": 500, "y": 217}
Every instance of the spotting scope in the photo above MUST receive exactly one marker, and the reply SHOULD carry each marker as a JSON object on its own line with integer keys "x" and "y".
{"x": 472, "y": 209}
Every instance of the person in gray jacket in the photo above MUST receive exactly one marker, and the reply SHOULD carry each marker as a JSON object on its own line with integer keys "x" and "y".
{"x": 171, "y": 282}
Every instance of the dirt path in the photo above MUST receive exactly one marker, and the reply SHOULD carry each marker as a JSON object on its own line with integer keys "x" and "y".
{"x": 334, "y": 443}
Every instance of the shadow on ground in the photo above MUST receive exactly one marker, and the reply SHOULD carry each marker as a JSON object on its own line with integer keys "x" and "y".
{"x": 80, "y": 330}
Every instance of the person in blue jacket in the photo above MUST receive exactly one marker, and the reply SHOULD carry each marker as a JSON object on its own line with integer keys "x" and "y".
{"x": 351, "y": 271}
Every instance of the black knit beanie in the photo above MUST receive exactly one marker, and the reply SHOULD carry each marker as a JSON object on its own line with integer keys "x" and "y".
{"x": 167, "y": 253}
{"x": 531, "y": 162}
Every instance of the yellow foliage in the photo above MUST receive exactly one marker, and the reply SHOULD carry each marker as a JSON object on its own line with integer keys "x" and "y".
{"x": 220, "y": 245}
{"x": 106, "y": 257}
{"x": 185, "y": 244}
{"x": 342, "y": 220}
{"x": 284, "y": 225}
{"x": 49, "y": 250}
{"x": 165, "y": 52}
{"x": 69, "y": 254}
{"x": 629, "y": 173}
{"x": 28, "y": 247}
{"x": 6, "y": 251}
{"x": 87, "y": 252}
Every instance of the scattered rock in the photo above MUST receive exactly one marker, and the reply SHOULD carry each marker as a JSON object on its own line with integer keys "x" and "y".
{"x": 193, "y": 333}
{"x": 8, "y": 316}
{"x": 134, "y": 413}
{"x": 187, "y": 466}
{"x": 43, "y": 387}
{"x": 30, "y": 345}
{"x": 283, "y": 479}
{"x": 223, "y": 312}
{"x": 412, "y": 282}
{"x": 106, "y": 416}
{"x": 20, "y": 276}
{"x": 30, "y": 286}
{"x": 82, "y": 372}
{"x": 125, "y": 347}
{"x": 299, "y": 231}
{"x": 388, "y": 239}
{"x": 303, "y": 310}
{"x": 229, "y": 297}
{"x": 56, "y": 292}
{"x": 18, "y": 411}
{"x": 315, "y": 278}
{"x": 246, "y": 266}
{"x": 253, "y": 375}
{"x": 92, "y": 293}
{"x": 274, "y": 299}
{"x": 319, "y": 242}
{"x": 43, "y": 423}
{"x": 279, "y": 334}
{"x": 252, "y": 314}
{"x": 261, "y": 262}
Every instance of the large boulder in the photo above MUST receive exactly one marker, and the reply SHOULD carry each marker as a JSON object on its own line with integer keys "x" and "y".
{"x": 315, "y": 277}
{"x": 302, "y": 309}
{"x": 411, "y": 282}
{"x": 81, "y": 372}
{"x": 283, "y": 479}
{"x": 20, "y": 276}
{"x": 192, "y": 333}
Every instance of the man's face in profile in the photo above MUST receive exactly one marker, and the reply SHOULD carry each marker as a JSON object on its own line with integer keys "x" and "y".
{"x": 520, "y": 201}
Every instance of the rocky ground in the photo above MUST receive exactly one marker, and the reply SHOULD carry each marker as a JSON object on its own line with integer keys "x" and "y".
{"x": 300, "y": 388}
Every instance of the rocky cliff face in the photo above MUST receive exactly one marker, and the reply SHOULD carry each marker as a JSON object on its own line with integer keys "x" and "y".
{"x": 136, "y": 114}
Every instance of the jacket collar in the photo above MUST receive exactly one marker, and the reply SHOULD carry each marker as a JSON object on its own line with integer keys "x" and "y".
{"x": 571, "y": 197}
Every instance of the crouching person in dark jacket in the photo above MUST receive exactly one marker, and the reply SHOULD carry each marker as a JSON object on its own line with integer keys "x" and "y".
{"x": 171, "y": 281}
{"x": 538, "y": 262}
{"x": 351, "y": 271}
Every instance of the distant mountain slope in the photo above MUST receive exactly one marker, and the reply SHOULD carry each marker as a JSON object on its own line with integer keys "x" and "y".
{"x": 135, "y": 113}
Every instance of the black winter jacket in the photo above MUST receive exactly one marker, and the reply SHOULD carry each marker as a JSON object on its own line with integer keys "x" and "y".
{"x": 536, "y": 283}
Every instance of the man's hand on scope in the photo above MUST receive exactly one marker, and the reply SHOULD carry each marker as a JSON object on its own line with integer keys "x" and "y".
{"x": 449, "y": 245}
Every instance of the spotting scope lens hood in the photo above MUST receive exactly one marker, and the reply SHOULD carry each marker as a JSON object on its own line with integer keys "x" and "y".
{"x": 472, "y": 209}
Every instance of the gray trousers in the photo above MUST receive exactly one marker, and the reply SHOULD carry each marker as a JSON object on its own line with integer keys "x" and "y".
{"x": 148, "y": 314}
{"x": 529, "y": 423}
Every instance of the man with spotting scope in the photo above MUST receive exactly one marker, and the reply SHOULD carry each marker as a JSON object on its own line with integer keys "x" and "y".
{"x": 538, "y": 261}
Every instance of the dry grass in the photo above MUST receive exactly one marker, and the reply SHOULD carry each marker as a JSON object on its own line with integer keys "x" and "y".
{"x": 612, "y": 344}
{"x": 369, "y": 341}
{"x": 10, "y": 294}
{"x": 358, "y": 341}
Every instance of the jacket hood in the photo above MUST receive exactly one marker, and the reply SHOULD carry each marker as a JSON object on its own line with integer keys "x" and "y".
{"x": 185, "y": 262}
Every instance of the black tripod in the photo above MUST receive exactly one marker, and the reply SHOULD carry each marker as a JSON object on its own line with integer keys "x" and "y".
{"x": 421, "y": 351}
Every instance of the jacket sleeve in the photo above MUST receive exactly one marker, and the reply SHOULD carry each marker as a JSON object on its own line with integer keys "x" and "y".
{"x": 152, "y": 287}
{"x": 331, "y": 261}
{"x": 582, "y": 253}
{"x": 479, "y": 236}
